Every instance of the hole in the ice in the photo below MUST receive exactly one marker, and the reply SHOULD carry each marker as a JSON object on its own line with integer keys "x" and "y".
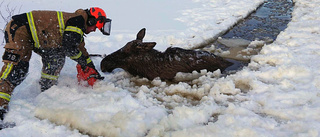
{"x": 246, "y": 38}
{"x": 238, "y": 45}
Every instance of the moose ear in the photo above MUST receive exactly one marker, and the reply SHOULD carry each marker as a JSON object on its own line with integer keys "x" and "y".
{"x": 141, "y": 34}
{"x": 146, "y": 46}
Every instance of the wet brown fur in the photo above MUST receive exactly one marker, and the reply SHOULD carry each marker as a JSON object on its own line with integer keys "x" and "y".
{"x": 139, "y": 58}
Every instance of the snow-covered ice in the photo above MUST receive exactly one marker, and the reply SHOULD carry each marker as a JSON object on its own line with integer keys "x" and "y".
{"x": 277, "y": 94}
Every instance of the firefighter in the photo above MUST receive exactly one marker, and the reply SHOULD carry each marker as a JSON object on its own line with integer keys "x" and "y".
{"x": 53, "y": 35}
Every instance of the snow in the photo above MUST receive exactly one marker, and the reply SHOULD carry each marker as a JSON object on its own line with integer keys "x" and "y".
{"x": 276, "y": 95}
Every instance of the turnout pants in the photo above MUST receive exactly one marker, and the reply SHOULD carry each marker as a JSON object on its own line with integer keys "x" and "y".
{"x": 16, "y": 57}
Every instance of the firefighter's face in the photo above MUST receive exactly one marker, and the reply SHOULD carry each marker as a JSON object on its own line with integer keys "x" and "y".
{"x": 91, "y": 29}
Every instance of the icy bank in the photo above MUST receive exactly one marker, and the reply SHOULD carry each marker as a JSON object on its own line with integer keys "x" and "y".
{"x": 276, "y": 95}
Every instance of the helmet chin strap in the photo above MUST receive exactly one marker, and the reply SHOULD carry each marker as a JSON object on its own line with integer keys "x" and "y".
{"x": 91, "y": 21}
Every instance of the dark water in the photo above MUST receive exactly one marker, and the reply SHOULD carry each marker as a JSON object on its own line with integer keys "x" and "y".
{"x": 264, "y": 24}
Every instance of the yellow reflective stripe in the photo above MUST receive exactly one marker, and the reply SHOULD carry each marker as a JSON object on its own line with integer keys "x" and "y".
{"x": 47, "y": 76}
{"x": 61, "y": 22}
{"x": 5, "y": 96}
{"x": 33, "y": 30}
{"x": 74, "y": 29}
{"x": 76, "y": 56}
{"x": 7, "y": 71}
{"x": 88, "y": 60}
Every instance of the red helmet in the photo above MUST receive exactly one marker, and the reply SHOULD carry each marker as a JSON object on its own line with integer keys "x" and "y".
{"x": 101, "y": 21}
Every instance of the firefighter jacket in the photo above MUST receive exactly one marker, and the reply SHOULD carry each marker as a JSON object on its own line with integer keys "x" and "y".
{"x": 50, "y": 30}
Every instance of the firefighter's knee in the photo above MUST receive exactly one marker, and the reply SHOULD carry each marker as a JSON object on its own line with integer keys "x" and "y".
{"x": 6, "y": 89}
{"x": 15, "y": 74}
{"x": 47, "y": 81}
{"x": 11, "y": 76}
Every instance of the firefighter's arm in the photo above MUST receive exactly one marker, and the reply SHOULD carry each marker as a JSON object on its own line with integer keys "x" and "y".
{"x": 72, "y": 39}
{"x": 83, "y": 49}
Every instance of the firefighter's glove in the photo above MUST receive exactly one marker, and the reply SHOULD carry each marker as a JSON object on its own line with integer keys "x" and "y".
{"x": 88, "y": 74}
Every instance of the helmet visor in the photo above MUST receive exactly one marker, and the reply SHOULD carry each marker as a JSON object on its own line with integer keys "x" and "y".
{"x": 106, "y": 27}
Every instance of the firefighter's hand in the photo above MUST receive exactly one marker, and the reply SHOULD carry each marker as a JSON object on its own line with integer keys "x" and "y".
{"x": 88, "y": 74}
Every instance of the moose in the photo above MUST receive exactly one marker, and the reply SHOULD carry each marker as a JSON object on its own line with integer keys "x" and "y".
{"x": 140, "y": 59}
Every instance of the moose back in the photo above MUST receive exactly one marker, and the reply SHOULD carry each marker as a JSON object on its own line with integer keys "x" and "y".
{"x": 139, "y": 58}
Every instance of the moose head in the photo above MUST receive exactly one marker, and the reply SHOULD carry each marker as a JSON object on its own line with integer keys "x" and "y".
{"x": 119, "y": 58}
